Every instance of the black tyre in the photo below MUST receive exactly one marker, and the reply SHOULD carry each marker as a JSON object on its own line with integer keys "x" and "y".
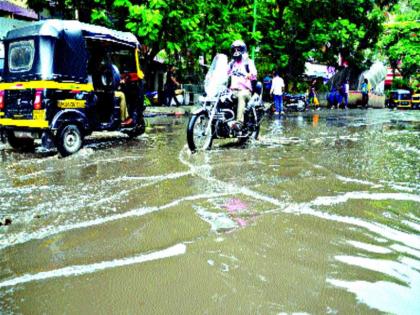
{"x": 69, "y": 140}
{"x": 198, "y": 136}
{"x": 254, "y": 135}
{"x": 106, "y": 78}
{"x": 20, "y": 144}
{"x": 138, "y": 129}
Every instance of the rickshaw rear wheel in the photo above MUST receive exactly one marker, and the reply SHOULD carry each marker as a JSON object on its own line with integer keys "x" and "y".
{"x": 20, "y": 144}
{"x": 69, "y": 140}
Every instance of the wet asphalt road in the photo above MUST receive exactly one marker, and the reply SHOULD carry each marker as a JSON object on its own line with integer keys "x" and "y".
{"x": 320, "y": 215}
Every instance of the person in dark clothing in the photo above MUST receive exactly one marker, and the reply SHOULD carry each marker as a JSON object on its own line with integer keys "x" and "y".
{"x": 344, "y": 90}
{"x": 312, "y": 98}
{"x": 365, "y": 93}
{"x": 171, "y": 85}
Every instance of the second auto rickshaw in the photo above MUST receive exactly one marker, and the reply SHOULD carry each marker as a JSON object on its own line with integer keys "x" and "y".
{"x": 399, "y": 99}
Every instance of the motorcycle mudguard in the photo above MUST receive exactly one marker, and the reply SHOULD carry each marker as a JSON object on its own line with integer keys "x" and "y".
{"x": 199, "y": 111}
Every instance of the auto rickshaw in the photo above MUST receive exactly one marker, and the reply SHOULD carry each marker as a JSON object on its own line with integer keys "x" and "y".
{"x": 399, "y": 99}
{"x": 415, "y": 102}
{"x": 62, "y": 80}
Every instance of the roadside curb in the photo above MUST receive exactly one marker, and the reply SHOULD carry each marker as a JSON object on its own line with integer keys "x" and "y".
{"x": 152, "y": 111}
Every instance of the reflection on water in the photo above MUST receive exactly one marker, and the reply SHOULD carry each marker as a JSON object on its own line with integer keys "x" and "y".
{"x": 320, "y": 215}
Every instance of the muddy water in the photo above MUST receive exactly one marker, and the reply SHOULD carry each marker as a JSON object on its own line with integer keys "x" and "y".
{"x": 321, "y": 215}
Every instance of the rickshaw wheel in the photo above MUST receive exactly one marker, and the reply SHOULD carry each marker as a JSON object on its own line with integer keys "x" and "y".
{"x": 20, "y": 144}
{"x": 69, "y": 140}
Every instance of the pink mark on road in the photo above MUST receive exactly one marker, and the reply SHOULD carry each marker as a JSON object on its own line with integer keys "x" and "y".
{"x": 241, "y": 222}
{"x": 235, "y": 205}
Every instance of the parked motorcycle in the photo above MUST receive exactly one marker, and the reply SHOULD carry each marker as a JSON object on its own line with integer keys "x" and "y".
{"x": 215, "y": 119}
{"x": 294, "y": 102}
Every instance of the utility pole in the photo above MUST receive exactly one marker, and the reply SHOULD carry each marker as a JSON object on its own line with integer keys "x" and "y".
{"x": 254, "y": 27}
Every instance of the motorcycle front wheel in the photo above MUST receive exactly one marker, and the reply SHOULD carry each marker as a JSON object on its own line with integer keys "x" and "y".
{"x": 198, "y": 137}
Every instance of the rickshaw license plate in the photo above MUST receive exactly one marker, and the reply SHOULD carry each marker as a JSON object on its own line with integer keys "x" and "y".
{"x": 72, "y": 104}
{"x": 39, "y": 114}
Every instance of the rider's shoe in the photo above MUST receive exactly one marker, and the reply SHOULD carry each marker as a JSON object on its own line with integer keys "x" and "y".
{"x": 127, "y": 122}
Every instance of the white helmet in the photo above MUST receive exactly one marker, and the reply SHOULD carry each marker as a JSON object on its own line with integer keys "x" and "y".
{"x": 238, "y": 48}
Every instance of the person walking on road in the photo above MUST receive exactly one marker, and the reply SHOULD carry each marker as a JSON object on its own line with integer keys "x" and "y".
{"x": 171, "y": 85}
{"x": 346, "y": 90}
{"x": 276, "y": 90}
{"x": 365, "y": 93}
{"x": 267, "y": 81}
{"x": 312, "y": 98}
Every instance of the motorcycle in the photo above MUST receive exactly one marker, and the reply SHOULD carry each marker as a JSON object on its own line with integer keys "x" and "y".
{"x": 295, "y": 102}
{"x": 215, "y": 119}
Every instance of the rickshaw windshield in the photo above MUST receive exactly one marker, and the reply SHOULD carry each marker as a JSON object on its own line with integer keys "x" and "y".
{"x": 21, "y": 56}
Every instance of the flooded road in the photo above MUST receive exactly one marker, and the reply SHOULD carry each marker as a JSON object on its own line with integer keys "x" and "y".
{"x": 320, "y": 215}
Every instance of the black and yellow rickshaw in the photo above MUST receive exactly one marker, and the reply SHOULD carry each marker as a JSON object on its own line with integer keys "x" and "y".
{"x": 62, "y": 80}
{"x": 399, "y": 99}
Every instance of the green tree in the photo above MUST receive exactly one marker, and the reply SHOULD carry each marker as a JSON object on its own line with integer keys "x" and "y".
{"x": 289, "y": 32}
{"x": 183, "y": 29}
{"x": 300, "y": 30}
{"x": 67, "y": 9}
{"x": 400, "y": 42}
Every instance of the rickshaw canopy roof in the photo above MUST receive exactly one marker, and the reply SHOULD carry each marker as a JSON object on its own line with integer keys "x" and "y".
{"x": 55, "y": 28}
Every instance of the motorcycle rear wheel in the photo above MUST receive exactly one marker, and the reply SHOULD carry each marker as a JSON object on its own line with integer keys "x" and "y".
{"x": 253, "y": 135}
{"x": 196, "y": 133}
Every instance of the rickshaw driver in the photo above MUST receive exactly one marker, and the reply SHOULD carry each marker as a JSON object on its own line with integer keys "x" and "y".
{"x": 126, "y": 120}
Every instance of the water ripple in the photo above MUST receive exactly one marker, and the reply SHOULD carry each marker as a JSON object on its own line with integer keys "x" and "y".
{"x": 78, "y": 270}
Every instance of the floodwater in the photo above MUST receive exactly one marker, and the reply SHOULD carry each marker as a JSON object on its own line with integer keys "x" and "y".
{"x": 321, "y": 215}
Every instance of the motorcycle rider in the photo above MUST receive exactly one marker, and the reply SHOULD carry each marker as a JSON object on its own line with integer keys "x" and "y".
{"x": 243, "y": 73}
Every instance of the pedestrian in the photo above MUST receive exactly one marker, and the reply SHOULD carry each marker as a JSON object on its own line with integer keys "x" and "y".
{"x": 170, "y": 87}
{"x": 276, "y": 90}
{"x": 267, "y": 81}
{"x": 365, "y": 93}
{"x": 312, "y": 98}
{"x": 345, "y": 93}
{"x": 331, "y": 97}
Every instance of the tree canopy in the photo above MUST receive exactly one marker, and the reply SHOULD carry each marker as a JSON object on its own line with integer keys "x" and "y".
{"x": 400, "y": 41}
{"x": 288, "y": 32}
